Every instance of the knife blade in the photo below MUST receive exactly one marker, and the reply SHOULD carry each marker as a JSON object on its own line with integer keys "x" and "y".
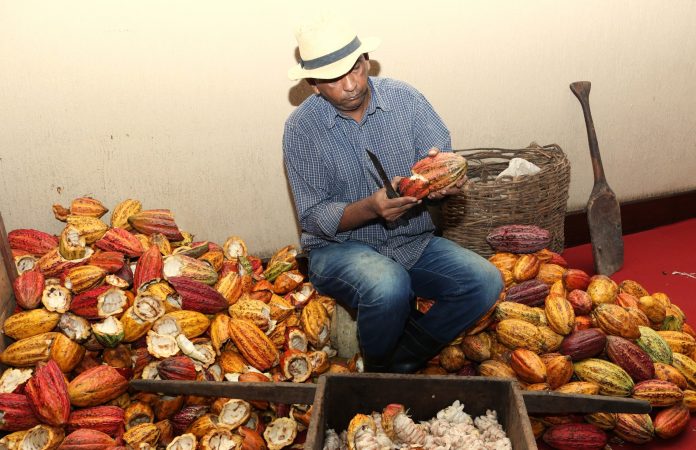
{"x": 391, "y": 193}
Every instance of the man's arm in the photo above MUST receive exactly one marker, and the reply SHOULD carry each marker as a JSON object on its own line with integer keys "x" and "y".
{"x": 318, "y": 211}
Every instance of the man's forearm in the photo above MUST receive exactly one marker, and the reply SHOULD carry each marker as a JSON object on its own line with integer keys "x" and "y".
{"x": 357, "y": 214}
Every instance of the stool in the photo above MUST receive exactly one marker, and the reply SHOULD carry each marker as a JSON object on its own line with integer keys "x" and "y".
{"x": 344, "y": 328}
{"x": 344, "y": 332}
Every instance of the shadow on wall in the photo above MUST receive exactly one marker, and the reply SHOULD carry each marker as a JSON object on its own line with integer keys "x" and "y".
{"x": 300, "y": 91}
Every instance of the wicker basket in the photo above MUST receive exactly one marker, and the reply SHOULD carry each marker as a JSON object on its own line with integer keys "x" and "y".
{"x": 485, "y": 203}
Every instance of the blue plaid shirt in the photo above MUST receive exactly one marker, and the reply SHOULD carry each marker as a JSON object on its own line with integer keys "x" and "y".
{"x": 328, "y": 167}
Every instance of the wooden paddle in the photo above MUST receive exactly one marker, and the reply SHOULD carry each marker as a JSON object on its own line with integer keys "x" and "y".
{"x": 547, "y": 402}
{"x": 603, "y": 211}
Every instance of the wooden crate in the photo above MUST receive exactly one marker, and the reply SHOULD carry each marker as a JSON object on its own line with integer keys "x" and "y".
{"x": 339, "y": 397}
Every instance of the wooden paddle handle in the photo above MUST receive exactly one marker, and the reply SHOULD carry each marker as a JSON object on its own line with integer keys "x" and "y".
{"x": 581, "y": 89}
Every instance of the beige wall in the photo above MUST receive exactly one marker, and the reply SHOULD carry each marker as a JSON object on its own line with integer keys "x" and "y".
{"x": 181, "y": 103}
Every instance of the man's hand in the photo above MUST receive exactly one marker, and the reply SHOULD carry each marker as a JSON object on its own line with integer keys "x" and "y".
{"x": 390, "y": 209}
{"x": 452, "y": 190}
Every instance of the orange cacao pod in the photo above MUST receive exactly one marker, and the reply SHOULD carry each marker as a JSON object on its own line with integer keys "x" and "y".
{"x": 668, "y": 373}
{"x": 96, "y": 386}
{"x": 550, "y": 273}
{"x": 156, "y": 221}
{"x": 672, "y": 421}
{"x": 602, "y": 289}
{"x": 526, "y": 267}
{"x": 658, "y": 392}
{"x": 559, "y": 371}
{"x": 121, "y": 241}
{"x": 576, "y": 279}
{"x": 613, "y": 319}
{"x": 559, "y": 314}
{"x": 253, "y": 343}
{"x": 442, "y": 170}
{"x": 86, "y": 439}
{"x": 528, "y": 366}
{"x": 635, "y": 428}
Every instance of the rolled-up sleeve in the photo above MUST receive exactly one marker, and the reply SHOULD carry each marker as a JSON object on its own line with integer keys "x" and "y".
{"x": 429, "y": 129}
{"x": 318, "y": 211}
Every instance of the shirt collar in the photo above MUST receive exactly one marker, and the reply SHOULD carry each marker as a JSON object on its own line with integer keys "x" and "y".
{"x": 377, "y": 100}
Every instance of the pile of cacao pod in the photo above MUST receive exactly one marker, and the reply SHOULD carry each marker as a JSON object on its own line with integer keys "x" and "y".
{"x": 557, "y": 328}
{"x": 139, "y": 298}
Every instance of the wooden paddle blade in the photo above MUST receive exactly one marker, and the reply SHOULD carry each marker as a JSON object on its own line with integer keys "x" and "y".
{"x": 604, "y": 221}
{"x": 549, "y": 402}
{"x": 274, "y": 392}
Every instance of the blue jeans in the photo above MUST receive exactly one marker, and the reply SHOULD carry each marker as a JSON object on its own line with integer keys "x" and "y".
{"x": 463, "y": 284}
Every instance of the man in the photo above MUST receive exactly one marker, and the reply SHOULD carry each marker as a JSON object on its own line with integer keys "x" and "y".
{"x": 367, "y": 251}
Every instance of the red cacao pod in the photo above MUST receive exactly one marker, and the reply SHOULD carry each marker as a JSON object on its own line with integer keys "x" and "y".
{"x": 631, "y": 358}
{"x": 584, "y": 344}
{"x": 107, "y": 419}
{"x": 47, "y": 392}
{"x": 575, "y": 436}
{"x": 518, "y": 238}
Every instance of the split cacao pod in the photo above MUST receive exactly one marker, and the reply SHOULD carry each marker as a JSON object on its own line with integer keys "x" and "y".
{"x": 122, "y": 211}
{"x": 28, "y": 289}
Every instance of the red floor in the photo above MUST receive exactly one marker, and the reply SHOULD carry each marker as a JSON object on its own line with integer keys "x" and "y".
{"x": 653, "y": 259}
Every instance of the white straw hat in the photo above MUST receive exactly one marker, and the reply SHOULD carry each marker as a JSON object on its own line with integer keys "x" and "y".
{"x": 328, "y": 49}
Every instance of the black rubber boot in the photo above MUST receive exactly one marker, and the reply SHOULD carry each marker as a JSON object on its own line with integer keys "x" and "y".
{"x": 415, "y": 348}
{"x": 375, "y": 365}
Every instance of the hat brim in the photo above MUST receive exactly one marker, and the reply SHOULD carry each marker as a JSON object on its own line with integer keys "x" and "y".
{"x": 338, "y": 68}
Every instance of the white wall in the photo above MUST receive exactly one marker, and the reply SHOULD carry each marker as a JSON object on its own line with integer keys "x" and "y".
{"x": 181, "y": 103}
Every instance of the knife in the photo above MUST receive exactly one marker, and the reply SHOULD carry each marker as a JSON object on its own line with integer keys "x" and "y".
{"x": 391, "y": 193}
